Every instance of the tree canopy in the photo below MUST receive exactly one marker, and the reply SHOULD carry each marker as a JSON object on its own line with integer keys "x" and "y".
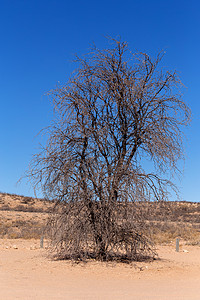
{"x": 116, "y": 109}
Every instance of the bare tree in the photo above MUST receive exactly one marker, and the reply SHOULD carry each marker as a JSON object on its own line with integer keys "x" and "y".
{"x": 117, "y": 110}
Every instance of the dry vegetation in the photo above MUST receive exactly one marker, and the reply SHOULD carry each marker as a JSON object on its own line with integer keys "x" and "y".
{"x": 26, "y": 217}
{"x": 171, "y": 220}
{"x": 22, "y": 217}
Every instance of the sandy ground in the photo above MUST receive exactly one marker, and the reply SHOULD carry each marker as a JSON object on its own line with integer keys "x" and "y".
{"x": 27, "y": 273}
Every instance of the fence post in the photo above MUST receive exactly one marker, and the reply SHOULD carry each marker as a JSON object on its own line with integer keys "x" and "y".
{"x": 41, "y": 241}
{"x": 177, "y": 245}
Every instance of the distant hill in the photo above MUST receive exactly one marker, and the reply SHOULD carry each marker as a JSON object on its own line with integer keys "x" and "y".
{"x": 26, "y": 217}
{"x": 174, "y": 211}
{"x": 13, "y": 202}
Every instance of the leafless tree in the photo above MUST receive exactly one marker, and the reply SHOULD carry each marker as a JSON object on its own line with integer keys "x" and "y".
{"x": 118, "y": 110}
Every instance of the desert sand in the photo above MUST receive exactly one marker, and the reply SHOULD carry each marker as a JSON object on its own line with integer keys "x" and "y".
{"x": 27, "y": 272}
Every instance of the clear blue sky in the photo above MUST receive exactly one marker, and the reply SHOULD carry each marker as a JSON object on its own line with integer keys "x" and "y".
{"x": 38, "y": 41}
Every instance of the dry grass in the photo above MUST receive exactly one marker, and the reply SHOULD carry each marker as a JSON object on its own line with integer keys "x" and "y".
{"x": 167, "y": 232}
{"x": 21, "y": 229}
{"x": 22, "y": 217}
{"x": 14, "y": 224}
